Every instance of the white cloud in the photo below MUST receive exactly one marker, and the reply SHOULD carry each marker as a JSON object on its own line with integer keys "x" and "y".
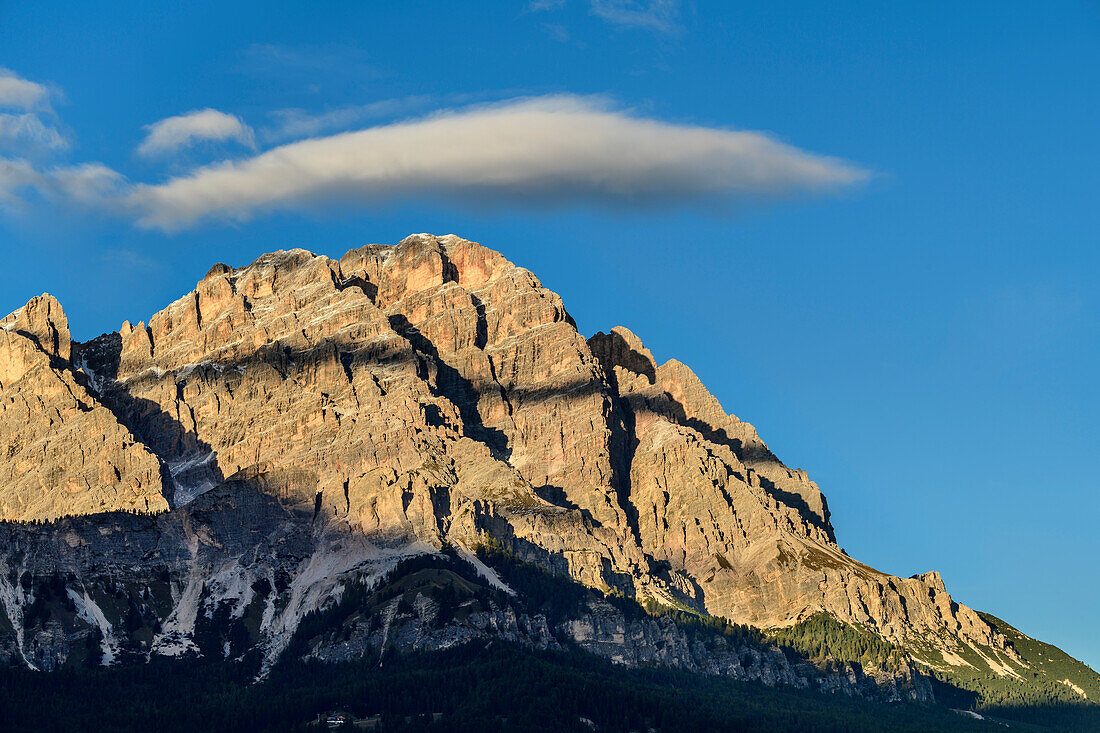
{"x": 560, "y": 150}
{"x": 89, "y": 186}
{"x": 92, "y": 186}
{"x": 543, "y": 151}
{"x": 24, "y": 130}
{"x": 203, "y": 125}
{"x": 27, "y": 130}
{"x": 16, "y": 91}
{"x": 661, "y": 16}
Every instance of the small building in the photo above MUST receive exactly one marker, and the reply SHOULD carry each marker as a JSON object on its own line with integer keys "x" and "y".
{"x": 333, "y": 719}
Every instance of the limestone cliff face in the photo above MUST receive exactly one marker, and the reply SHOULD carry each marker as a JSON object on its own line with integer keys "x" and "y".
{"x": 754, "y": 535}
{"x": 61, "y": 451}
{"x": 399, "y": 400}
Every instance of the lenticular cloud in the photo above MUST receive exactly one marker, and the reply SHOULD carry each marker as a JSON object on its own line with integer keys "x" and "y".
{"x": 560, "y": 150}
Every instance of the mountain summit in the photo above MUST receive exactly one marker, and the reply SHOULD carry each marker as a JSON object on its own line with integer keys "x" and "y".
{"x": 287, "y": 435}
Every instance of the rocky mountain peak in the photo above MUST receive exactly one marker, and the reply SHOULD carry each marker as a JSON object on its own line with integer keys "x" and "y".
{"x": 65, "y": 451}
{"x": 306, "y": 418}
{"x": 42, "y": 320}
{"x": 933, "y": 580}
{"x": 621, "y": 349}
{"x": 219, "y": 268}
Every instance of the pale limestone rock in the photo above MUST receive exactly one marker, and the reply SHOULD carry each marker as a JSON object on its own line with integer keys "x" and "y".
{"x": 62, "y": 451}
{"x": 43, "y": 321}
{"x": 432, "y": 393}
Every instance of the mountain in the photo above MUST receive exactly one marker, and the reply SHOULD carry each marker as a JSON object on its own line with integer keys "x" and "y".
{"x": 412, "y": 448}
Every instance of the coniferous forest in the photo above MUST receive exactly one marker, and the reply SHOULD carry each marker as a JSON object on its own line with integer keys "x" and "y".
{"x": 497, "y": 686}
{"x": 493, "y": 687}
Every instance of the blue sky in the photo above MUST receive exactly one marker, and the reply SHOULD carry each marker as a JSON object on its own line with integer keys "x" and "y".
{"x": 893, "y": 276}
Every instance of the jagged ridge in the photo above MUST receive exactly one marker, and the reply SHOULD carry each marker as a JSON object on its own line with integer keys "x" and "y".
{"x": 302, "y": 421}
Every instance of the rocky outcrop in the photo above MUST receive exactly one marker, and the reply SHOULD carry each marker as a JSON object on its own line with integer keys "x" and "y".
{"x": 715, "y": 504}
{"x": 303, "y": 418}
{"x": 62, "y": 451}
{"x": 605, "y": 631}
{"x": 43, "y": 322}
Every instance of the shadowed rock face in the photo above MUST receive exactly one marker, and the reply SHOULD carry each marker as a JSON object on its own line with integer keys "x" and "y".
{"x": 302, "y": 419}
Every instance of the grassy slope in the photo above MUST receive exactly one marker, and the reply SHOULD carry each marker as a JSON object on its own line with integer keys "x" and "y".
{"x": 1035, "y": 693}
{"x": 1051, "y": 664}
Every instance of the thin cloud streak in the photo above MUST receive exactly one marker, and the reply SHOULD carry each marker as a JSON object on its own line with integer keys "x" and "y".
{"x": 560, "y": 150}
{"x": 660, "y": 16}
{"x": 310, "y": 66}
{"x": 203, "y": 125}
{"x": 657, "y": 16}
{"x": 296, "y": 124}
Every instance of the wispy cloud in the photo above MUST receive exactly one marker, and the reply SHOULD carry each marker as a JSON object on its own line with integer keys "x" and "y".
{"x": 15, "y": 175}
{"x": 560, "y": 150}
{"x": 28, "y": 130}
{"x": 557, "y": 32}
{"x": 660, "y": 16}
{"x": 296, "y": 123}
{"x": 203, "y": 125}
{"x": 31, "y": 126}
{"x": 16, "y": 91}
{"x": 309, "y": 67}
{"x": 130, "y": 259}
{"x": 87, "y": 186}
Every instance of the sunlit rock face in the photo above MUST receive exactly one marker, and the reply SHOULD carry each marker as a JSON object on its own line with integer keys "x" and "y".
{"x": 303, "y": 420}
{"x": 61, "y": 451}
